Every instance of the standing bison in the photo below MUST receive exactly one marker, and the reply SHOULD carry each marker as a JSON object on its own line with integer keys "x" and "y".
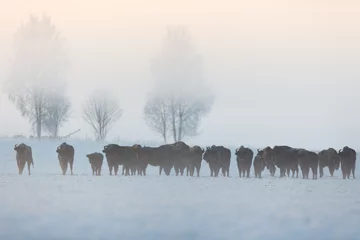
{"x": 180, "y": 157}
{"x": 66, "y": 154}
{"x": 96, "y": 160}
{"x": 218, "y": 157}
{"x": 348, "y": 161}
{"x": 244, "y": 158}
{"x": 259, "y": 164}
{"x": 328, "y": 158}
{"x": 307, "y": 160}
{"x": 269, "y": 159}
{"x": 23, "y": 156}
{"x": 120, "y": 155}
{"x": 194, "y": 158}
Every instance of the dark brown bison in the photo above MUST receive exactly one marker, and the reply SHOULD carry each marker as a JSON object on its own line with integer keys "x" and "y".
{"x": 328, "y": 158}
{"x": 348, "y": 161}
{"x": 218, "y": 157}
{"x": 168, "y": 156}
{"x": 307, "y": 160}
{"x": 269, "y": 159}
{"x": 284, "y": 158}
{"x": 259, "y": 164}
{"x": 180, "y": 157}
{"x": 141, "y": 159}
{"x": 194, "y": 158}
{"x": 66, "y": 154}
{"x": 96, "y": 160}
{"x": 244, "y": 158}
{"x": 120, "y": 155}
{"x": 23, "y": 156}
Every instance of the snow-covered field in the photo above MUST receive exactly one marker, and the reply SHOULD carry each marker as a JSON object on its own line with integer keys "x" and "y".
{"x": 47, "y": 205}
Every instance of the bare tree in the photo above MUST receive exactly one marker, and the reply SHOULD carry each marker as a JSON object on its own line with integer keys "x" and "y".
{"x": 100, "y": 111}
{"x": 57, "y": 112}
{"x": 156, "y": 113}
{"x": 181, "y": 97}
{"x": 38, "y": 66}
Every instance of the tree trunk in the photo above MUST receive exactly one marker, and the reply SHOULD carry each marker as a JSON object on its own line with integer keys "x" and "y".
{"x": 173, "y": 120}
{"x": 38, "y": 128}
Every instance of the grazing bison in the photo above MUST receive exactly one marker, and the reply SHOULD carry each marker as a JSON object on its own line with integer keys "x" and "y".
{"x": 23, "y": 156}
{"x": 195, "y": 158}
{"x": 269, "y": 159}
{"x": 66, "y": 154}
{"x": 244, "y": 158}
{"x": 328, "y": 158}
{"x": 96, "y": 160}
{"x": 348, "y": 161}
{"x": 218, "y": 157}
{"x": 307, "y": 160}
{"x": 259, "y": 164}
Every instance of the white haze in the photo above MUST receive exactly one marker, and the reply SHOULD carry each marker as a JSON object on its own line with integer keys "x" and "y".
{"x": 282, "y": 74}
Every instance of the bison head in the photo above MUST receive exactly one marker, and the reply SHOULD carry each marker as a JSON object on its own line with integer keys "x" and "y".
{"x": 110, "y": 148}
{"x": 20, "y": 147}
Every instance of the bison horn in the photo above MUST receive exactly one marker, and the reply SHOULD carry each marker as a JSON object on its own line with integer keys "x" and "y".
{"x": 16, "y": 145}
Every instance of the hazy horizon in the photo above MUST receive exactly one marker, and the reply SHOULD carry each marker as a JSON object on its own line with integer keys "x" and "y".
{"x": 282, "y": 72}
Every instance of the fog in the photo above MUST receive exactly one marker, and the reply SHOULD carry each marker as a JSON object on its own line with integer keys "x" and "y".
{"x": 282, "y": 73}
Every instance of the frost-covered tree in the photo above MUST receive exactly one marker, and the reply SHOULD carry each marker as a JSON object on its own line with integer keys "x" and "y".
{"x": 57, "y": 112}
{"x": 156, "y": 112}
{"x": 180, "y": 99}
{"x": 38, "y": 67}
{"x": 101, "y": 110}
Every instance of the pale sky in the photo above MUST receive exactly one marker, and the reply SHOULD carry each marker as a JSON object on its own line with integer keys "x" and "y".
{"x": 283, "y": 72}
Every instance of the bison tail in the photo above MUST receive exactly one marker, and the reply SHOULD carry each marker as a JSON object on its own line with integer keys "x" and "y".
{"x": 32, "y": 162}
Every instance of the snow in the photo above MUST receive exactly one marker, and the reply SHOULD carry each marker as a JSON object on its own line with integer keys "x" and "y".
{"x": 47, "y": 205}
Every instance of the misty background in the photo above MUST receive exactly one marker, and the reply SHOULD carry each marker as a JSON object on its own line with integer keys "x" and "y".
{"x": 281, "y": 72}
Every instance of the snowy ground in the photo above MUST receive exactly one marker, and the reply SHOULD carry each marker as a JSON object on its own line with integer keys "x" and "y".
{"x": 48, "y": 205}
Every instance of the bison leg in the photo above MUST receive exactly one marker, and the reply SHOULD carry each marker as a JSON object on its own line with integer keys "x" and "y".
{"x": 331, "y": 170}
{"x": 63, "y": 166}
{"x": 21, "y": 166}
{"x": 198, "y": 171}
{"x": 28, "y": 164}
{"x": 110, "y": 169}
{"x": 353, "y": 172}
{"x": 321, "y": 170}
{"x": 93, "y": 170}
{"x": 223, "y": 170}
{"x": 116, "y": 169}
{"x": 71, "y": 166}
{"x": 248, "y": 173}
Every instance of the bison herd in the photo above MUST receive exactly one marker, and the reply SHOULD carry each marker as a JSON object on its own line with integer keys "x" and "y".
{"x": 180, "y": 157}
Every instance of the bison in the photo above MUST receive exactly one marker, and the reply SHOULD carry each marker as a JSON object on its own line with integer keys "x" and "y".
{"x": 96, "y": 160}
{"x": 328, "y": 158}
{"x": 120, "y": 155}
{"x": 307, "y": 160}
{"x": 23, "y": 156}
{"x": 348, "y": 161}
{"x": 66, "y": 154}
{"x": 269, "y": 159}
{"x": 259, "y": 164}
{"x": 284, "y": 158}
{"x": 180, "y": 157}
{"x": 194, "y": 161}
{"x": 218, "y": 157}
{"x": 244, "y": 158}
